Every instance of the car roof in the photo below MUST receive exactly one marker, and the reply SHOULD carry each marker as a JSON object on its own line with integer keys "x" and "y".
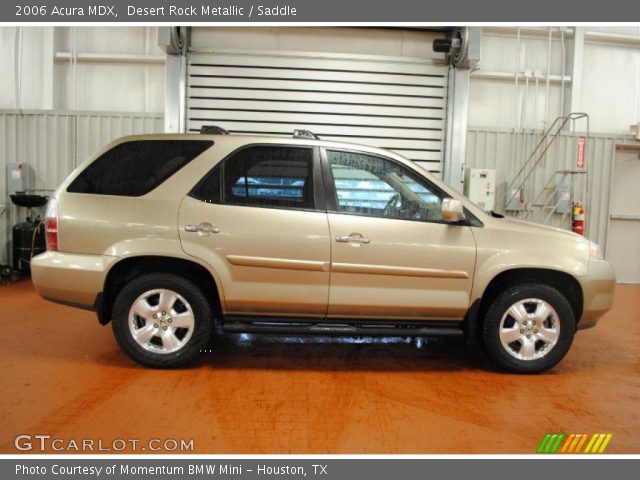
{"x": 244, "y": 139}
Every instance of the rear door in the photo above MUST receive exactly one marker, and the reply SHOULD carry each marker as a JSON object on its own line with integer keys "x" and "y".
{"x": 258, "y": 218}
{"x": 392, "y": 255}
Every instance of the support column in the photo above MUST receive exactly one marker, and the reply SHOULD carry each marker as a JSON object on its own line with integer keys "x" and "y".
{"x": 175, "y": 42}
{"x": 574, "y": 67}
{"x": 462, "y": 59}
{"x": 456, "y": 138}
{"x": 175, "y": 93}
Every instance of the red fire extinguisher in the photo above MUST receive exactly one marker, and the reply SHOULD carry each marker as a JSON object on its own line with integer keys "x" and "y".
{"x": 577, "y": 225}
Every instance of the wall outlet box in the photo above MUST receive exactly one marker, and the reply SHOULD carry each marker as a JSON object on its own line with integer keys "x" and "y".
{"x": 480, "y": 187}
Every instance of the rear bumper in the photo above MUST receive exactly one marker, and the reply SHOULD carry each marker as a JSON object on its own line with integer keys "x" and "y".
{"x": 70, "y": 278}
{"x": 597, "y": 288}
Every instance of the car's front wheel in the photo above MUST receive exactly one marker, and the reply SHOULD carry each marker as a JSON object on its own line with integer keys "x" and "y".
{"x": 528, "y": 328}
{"x": 162, "y": 320}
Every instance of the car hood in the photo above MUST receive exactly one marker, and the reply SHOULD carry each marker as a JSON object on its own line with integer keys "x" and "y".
{"x": 535, "y": 227}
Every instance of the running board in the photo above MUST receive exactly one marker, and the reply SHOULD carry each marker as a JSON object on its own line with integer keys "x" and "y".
{"x": 305, "y": 327}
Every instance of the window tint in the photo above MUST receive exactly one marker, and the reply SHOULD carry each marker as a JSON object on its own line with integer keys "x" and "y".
{"x": 374, "y": 186}
{"x": 269, "y": 177}
{"x": 135, "y": 168}
{"x": 210, "y": 187}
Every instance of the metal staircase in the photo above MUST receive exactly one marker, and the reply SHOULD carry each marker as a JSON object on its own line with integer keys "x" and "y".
{"x": 544, "y": 204}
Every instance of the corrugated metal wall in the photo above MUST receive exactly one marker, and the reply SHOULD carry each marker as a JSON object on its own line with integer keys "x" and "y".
{"x": 497, "y": 149}
{"x": 53, "y": 144}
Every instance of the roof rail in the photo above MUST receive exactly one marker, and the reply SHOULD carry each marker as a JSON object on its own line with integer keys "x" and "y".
{"x": 305, "y": 134}
{"x": 213, "y": 130}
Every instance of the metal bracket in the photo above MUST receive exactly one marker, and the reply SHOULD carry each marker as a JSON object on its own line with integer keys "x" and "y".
{"x": 624, "y": 216}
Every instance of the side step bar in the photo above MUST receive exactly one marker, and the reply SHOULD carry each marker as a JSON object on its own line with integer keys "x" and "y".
{"x": 305, "y": 327}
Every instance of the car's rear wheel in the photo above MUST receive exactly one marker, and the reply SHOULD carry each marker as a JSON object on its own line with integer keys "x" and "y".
{"x": 528, "y": 328}
{"x": 162, "y": 320}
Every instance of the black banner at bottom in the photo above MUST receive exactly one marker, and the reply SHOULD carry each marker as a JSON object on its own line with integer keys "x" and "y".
{"x": 318, "y": 468}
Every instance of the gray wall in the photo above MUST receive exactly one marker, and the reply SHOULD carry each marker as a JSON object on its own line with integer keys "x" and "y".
{"x": 53, "y": 144}
{"x": 498, "y": 149}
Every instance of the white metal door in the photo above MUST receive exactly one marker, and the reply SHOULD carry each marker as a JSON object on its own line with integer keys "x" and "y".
{"x": 398, "y": 104}
{"x": 623, "y": 245}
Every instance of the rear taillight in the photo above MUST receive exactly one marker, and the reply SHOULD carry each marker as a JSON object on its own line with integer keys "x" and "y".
{"x": 51, "y": 224}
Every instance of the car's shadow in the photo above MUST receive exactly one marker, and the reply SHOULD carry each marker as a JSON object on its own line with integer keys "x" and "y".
{"x": 278, "y": 352}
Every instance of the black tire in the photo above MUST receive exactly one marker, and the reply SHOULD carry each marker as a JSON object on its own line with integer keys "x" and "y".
{"x": 492, "y": 325}
{"x": 203, "y": 328}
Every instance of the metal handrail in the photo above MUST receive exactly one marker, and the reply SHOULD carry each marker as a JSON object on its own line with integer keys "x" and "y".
{"x": 562, "y": 121}
{"x": 547, "y": 187}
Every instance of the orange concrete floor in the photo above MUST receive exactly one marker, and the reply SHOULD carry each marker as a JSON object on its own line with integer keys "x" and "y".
{"x": 62, "y": 374}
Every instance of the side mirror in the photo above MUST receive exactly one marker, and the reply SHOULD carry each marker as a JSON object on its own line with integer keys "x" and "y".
{"x": 452, "y": 211}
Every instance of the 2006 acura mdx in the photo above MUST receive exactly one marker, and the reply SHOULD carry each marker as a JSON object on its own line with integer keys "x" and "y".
{"x": 175, "y": 237}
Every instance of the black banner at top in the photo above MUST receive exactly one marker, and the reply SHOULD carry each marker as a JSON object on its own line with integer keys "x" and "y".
{"x": 346, "y": 11}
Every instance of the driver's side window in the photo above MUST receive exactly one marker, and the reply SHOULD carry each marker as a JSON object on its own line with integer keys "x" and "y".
{"x": 378, "y": 187}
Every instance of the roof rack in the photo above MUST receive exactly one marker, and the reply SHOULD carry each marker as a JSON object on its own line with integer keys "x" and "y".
{"x": 213, "y": 130}
{"x": 305, "y": 134}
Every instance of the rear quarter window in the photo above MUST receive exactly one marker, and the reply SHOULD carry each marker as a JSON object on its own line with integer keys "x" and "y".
{"x": 135, "y": 168}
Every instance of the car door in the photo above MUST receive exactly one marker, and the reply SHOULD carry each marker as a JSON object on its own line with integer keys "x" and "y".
{"x": 258, "y": 219}
{"x": 392, "y": 255}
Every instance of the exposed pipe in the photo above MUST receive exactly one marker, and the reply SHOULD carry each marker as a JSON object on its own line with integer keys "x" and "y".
{"x": 525, "y": 98}
{"x": 146, "y": 70}
{"x": 547, "y": 99}
{"x": 516, "y": 79}
{"x": 18, "y": 75}
{"x": 607, "y": 38}
{"x": 74, "y": 70}
{"x": 509, "y": 76}
{"x": 592, "y": 37}
{"x": 525, "y": 105}
{"x": 20, "y": 138}
{"x": 525, "y": 101}
{"x": 515, "y": 106}
{"x": 547, "y": 92}
{"x": 509, "y": 31}
{"x": 535, "y": 103}
{"x": 638, "y": 96}
{"x": 82, "y": 57}
{"x": 564, "y": 69}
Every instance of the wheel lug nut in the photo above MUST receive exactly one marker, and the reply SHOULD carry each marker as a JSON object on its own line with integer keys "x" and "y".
{"x": 155, "y": 325}
{"x": 164, "y": 328}
{"x": 524, "y": 323}
{"x": 169, "y": 320}
{"x": 155, "y": 315}
{"x": 522, "y": 330}
{"x": 534, "y": 322}
{"x": 164, "y": 313}
{"x": 528, "y": 336}
{"x": 535, "y": 331}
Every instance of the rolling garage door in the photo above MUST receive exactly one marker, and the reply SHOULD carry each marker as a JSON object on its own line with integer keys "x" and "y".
{"x": 398, "y": 105}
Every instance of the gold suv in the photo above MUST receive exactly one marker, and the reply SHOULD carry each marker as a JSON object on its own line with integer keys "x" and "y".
{"x": 175, "y": 237}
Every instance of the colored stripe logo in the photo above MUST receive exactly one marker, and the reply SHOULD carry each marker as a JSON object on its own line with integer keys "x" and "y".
{"x": 574, "y": 443}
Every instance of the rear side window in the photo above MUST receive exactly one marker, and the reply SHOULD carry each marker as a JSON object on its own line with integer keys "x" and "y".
{"x": 135, "y": 168}
{"x": 210, "y": 187}
{"x": 261, "y": 176}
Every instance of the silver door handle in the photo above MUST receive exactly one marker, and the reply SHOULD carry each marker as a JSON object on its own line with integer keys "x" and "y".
{"x": 350, "y": 239}
{"x": 201, "y": 228}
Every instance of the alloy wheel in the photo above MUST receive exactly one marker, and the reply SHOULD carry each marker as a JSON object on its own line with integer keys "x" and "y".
{"x": 161, "y": 321}
{"x": 529, "y": 329}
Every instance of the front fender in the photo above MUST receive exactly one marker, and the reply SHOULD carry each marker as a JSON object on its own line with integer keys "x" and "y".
{"x": 500, "y": 250}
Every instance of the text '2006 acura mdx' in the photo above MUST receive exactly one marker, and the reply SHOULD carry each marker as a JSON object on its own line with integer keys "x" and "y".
{"x": 172, "y": 238}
